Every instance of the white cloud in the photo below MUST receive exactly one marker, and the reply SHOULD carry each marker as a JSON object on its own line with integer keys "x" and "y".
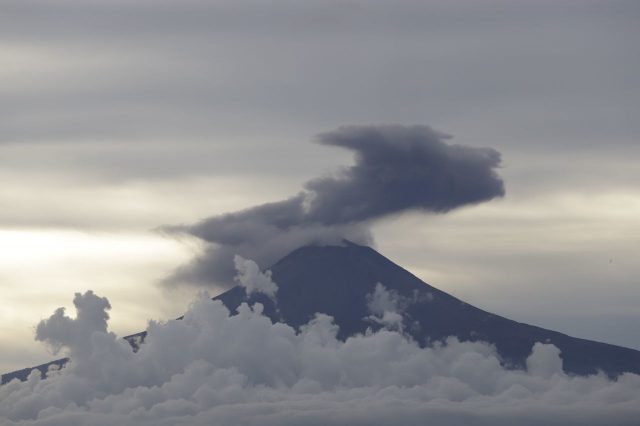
{"x": 252, "y": 279}
{"x": 386, "y": 307}
{"x": 544, "y": 361}
{"x": 61, "y": 331}
{"x": 215, "y": 368}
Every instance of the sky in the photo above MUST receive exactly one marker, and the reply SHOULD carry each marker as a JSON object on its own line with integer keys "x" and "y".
{"x": 126, "y": 120}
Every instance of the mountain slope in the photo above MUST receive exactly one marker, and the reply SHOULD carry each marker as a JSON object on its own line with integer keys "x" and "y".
{"x": 337, "y": 280}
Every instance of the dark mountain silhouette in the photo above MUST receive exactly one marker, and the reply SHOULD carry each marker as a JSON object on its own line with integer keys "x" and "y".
{"x": 336, "y": 280}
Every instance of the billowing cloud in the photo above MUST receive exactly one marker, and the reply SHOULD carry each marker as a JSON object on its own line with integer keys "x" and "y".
{"x": 399, "y": 168}
{"x": 396, "y": 168}
{"x": 386, "y": 307}
{"x": 61, "y": 331}
{"x": 252, "y": 279}
{"x": 216, "y": 368}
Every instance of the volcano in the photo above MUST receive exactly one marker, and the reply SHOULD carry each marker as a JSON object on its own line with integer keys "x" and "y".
{"x": 339, "y": 281}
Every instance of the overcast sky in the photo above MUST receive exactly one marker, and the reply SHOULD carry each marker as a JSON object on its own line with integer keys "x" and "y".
{"x": 120, "y": 117}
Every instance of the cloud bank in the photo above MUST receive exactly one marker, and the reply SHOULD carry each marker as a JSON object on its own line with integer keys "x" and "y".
{"x": 216, "y": 368}
{"x": 396, "y": 168}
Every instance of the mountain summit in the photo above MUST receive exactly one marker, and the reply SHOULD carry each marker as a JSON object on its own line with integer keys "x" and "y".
{"x": 353, "y": 283}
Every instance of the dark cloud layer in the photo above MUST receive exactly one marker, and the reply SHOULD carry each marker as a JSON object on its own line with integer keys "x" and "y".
{"x": 397, "y": 168}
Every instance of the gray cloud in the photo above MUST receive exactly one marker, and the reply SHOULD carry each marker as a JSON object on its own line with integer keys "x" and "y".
{"x": 397, "y": 168}
{"x": 142, "y": 70}
{"x": 264, "y": 233}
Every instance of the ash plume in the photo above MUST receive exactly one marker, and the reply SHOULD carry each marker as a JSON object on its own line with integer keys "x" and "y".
{"x": 396, "y": 168}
